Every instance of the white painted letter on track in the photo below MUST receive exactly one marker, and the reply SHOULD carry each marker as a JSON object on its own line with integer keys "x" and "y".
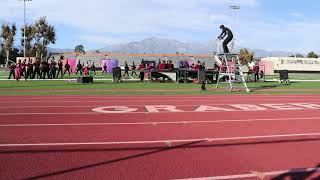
{"x": 114, "y": 109}
{"x": 307, "y": 105}
{"x": 282, "y": 106}
{"x": 249, "y": 107}
{"x": 157, "y": 108}
{"x": 204, "y": 108}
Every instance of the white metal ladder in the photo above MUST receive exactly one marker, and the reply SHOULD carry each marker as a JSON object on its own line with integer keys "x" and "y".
{"x": 230, "y": 67}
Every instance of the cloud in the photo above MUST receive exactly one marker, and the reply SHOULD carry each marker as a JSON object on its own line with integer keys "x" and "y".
{"x": 296, "y": 14}
{"x": 118, "y": 21}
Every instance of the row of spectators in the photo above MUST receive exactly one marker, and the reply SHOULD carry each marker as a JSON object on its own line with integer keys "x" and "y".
{"x": 161, "y": 66}
{"x": 84, "y": 69}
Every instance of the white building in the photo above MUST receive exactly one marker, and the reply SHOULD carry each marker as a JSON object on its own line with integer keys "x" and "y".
{"x": 270, "y": 65}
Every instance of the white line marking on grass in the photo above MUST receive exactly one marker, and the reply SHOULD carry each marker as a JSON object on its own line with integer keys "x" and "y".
{"x": 260, "y": 175}
{"x": 164, "y": 141}
{"x": 155, "y": 122}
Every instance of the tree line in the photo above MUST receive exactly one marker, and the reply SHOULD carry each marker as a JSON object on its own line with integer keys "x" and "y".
{"x": 38, "y": 37}
{"x": 310, "y": 55}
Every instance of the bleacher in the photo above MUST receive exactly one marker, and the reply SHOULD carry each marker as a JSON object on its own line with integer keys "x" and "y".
{"x": 136, "y": 58}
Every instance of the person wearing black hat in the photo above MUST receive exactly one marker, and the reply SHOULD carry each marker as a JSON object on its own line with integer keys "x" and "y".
{"x": 225, "y": 32}
{"x": 79, "y": 68}
{"x": 12, "y": 68}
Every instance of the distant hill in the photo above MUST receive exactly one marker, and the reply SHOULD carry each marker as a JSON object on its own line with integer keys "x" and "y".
{"x": 170, "y": 46}
{"x": 159, "y": 45}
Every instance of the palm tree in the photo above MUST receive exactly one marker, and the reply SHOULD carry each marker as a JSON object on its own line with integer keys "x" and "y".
{"x": 7, "y": 34}
{"x": 44, "y": 35}
{"x": 79, "y": 49}
{"x": 30, "y": 35}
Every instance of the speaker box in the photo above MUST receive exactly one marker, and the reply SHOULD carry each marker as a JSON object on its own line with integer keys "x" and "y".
{"x": 85, "y": 80}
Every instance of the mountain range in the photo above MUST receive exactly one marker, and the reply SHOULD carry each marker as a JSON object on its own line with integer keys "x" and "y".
{"x": 161, "y": 45}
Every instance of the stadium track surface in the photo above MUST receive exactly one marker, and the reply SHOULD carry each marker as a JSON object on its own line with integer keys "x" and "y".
{"x": 61, "y": 137}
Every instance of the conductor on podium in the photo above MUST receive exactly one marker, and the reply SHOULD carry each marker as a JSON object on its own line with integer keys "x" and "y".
{"x": 225, "y": 32}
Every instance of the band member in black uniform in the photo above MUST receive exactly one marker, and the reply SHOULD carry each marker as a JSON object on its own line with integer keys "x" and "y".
{"x": 37, "y": 71}
{"x": 79, "y": 68}
{"x": 133, "y": 69}
{"x": 60, "y": 67}
{"x": 43, "y": 69}
{"x": 126, "y": 70}
{"x": 48, "y": 69}
{"x": 12, "y": 68}
{"x": 66, "y": 68}
{"x": 30, "y": 70}
{"x": 93, "y": 68}
{"x": 53, "y": 69}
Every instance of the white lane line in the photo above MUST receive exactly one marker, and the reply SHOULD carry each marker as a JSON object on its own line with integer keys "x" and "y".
{"x": 260, "y": 175}
{"x": 161, "y": 100}
{"x": 158, "y": 122}
{"x": 169, "y": 141}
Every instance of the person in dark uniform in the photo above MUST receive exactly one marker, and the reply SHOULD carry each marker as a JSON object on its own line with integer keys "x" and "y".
{"x": 216, "y": 70}
{"x": 47, "y": 68}
{"x": 60, "y": 68}
{"x": 203, "y": 86}
{"x": 43, "y": 69}
{"x": 225, "y": 32}
{"x": 36, "y": 71}
{"x": 79, "y": 68}
{"x": 126, "y": 70}
{"x": 53, "y": 69}
{"x": 66, "y": 68}
{"x": 171, "y": 66}
{"x": 141, "y": 69}
{"x": 93, "y": 68}
{"x": 30, "y": 70}
{"x": 200, "y": 66}
{"x": 203, "y": 67}
{"x": 166, "y": 65}
{"x": 256, "y": 72}
{"x": 105, "y": 68}
{"x": 12, "y": 68}
{"x": 133, "y": 69}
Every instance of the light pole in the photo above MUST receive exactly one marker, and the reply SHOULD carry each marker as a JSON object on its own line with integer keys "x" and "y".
{"x": 235, "y": 9}
{"x": 24, "y": 29}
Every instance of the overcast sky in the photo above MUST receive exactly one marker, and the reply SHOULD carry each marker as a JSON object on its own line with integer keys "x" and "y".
{"x": 289, "y": 25}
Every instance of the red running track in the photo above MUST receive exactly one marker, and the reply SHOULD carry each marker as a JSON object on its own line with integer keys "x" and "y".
{"x": 62, "y": 138}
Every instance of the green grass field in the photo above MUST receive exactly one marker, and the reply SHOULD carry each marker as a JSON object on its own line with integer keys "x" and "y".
{"x": 137, "y": 88}
{"x": 298, "y": 76}
{"x": 99, "y": 75}
{"x": 102, "y": 87}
